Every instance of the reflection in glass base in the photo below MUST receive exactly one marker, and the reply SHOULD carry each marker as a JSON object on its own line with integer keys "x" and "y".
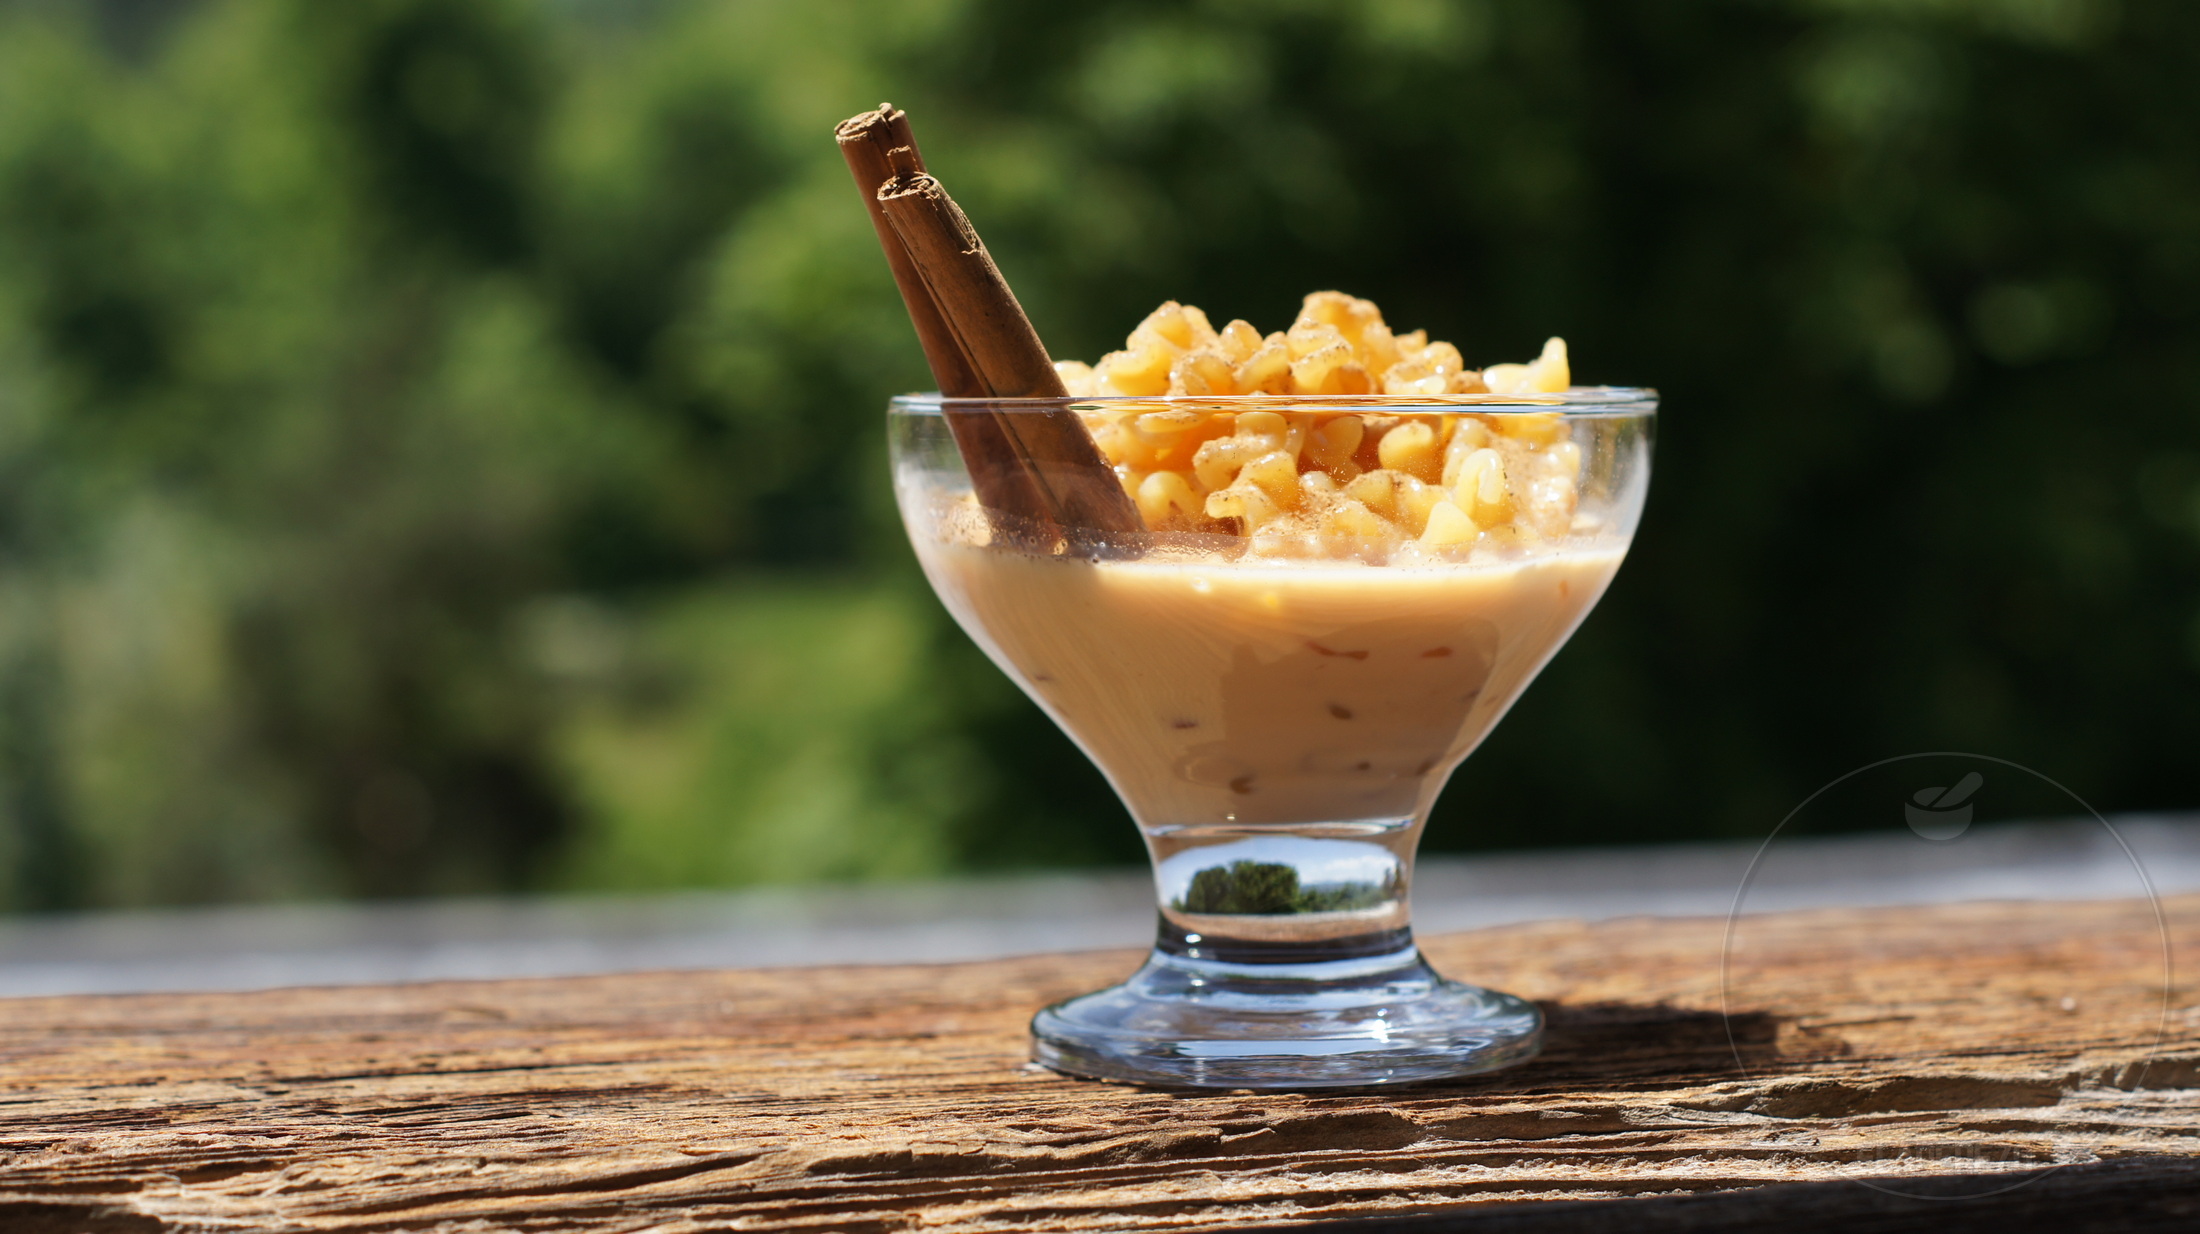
{"x": 1185, "y": 1020}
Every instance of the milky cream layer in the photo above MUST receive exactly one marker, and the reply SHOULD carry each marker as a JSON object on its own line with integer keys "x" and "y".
{"x": 1233, "y": 692}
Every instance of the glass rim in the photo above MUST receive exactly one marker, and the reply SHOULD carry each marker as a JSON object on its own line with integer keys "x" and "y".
{"x": 1579, "y": 401}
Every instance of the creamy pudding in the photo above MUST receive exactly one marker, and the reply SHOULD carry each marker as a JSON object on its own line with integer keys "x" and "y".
{"x": 1256, "y": 692}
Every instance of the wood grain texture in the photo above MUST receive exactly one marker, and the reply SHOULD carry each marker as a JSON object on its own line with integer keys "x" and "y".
{"x": 1947, "y": 1052}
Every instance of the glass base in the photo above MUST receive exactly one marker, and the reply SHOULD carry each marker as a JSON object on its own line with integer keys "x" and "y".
{"x": 1191, "y": 1018}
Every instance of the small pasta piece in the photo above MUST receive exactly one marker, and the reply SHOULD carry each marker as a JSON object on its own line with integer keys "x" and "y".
{"x": 1175, "y": 450}
{"x": 1415, "y": 502}
{"x": 1312, "y": 371}
{"x": 1121, "y": 445}
{"x": 1307, "y": 337}
{"x": 1077, "y": 378}
{"x": 1377, "y": 490}
{"x": 1414, "y": 376}
{"x": 1377, "y": 348}
{"x": 1142, "y": 371}
{"x": 1171, "y": 421}
{"x": 1216, "y": 463}
{"x": 1449, "y": 527}
{"x": 1553, "y": 372}
{"x": 1411, "y": 448}
{"x": 1108, "y": 436}
{"x": 1182, "y": 446}
{"x": 1247, "y": 503}
{"x": 1549, "y": 373}
{"x": 1481, "y": 489}
{"x": 1271, "y": 426}
{"x": 1467, "y": 436}
{"x": 1500, "y": 378}
{"x": 1468, "y": 382}
{"x": 1331, "y": 446}
{"x": 1206, "y": 371}
{"x": 1443, "y": 358}
{"x": 1238, "y": 341}
{"x": 1348, "y": 315}
{"x": 1540, "y": 428}
{"x": 1277, "y": 474}
{"x": 1177, "y": 327}
{"x": 1348, "y": 528}
{"x": 1165, "y": 498}
{"x": 1346, "y": 377}
{"x": 1267, "y": 370}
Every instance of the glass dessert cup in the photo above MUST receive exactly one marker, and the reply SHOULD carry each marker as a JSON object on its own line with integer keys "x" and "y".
{"x": 1278, "y": 711}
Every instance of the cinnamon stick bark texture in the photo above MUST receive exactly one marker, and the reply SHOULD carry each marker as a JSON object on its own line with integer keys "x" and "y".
{"x": 954, "y": 263}
{"x": 878, "y": 145}
{"x": 1077, "y": 484}
{"x": 1036, "y": 464}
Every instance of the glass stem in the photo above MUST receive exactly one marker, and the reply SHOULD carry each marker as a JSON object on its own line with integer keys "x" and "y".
{"x": 1284, "y": 895}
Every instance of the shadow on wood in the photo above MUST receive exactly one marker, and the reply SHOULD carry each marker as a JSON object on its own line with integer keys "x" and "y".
{"x": 34, "y": 1217}
{"x": 2140, "y": 1196}
{"x": 1612, "y": 1041}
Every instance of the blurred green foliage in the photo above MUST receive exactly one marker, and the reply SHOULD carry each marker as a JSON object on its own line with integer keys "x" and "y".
{"x": 439, "y": 447}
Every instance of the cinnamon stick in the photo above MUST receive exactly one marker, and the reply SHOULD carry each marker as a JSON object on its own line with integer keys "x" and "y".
{"x": 1039, "y": 465}
{"x": 980, "y": 308}
{"x": 877, "y": 145}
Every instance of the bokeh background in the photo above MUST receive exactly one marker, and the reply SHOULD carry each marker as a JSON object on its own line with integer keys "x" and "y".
{"x": 440, "y": 440}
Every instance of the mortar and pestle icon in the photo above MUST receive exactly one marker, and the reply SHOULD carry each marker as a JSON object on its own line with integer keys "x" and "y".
{"x": 1942, "y": 814}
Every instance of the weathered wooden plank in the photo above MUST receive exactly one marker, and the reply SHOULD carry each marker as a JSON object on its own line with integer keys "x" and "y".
{"x": 1957, "y": 1050}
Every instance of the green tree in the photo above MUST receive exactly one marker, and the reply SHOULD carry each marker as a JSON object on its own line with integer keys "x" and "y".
{"x": 1249, "y": 887}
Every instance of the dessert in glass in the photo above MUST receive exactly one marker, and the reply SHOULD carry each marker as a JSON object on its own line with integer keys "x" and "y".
{"x": 1351, "y": 554}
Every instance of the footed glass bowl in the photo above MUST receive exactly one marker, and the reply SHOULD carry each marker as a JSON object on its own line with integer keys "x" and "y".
{"x": 1278, "y": 686}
